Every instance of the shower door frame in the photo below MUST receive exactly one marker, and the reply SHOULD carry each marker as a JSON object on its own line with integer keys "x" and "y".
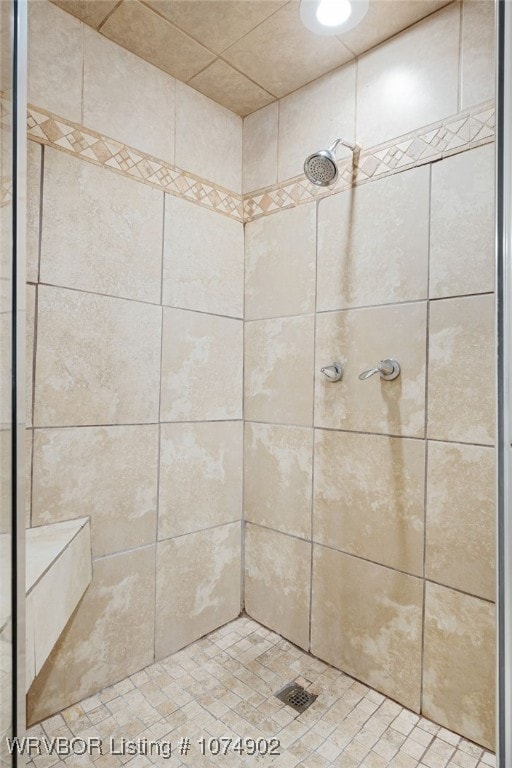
{"x": 504, "y": 379}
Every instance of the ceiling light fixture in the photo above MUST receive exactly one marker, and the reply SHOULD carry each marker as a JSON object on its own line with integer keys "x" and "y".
{"x": 332, "y": 17}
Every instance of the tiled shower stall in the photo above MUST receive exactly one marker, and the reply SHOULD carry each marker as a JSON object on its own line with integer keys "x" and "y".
{"x": 185, "y": 286}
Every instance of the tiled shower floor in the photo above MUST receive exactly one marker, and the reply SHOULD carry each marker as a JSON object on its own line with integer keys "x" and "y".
{"x": 224, "y": 685}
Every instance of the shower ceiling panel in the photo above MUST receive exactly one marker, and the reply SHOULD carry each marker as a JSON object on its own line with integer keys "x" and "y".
{"x": 243, "y": 54}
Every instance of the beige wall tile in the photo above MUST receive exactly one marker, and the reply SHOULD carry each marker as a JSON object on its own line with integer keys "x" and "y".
{"x": 97, "y": 361}
{"x": 202, "y": 359}
{"x": 260, "y": 148}
{"x": 280, "y": 264}
{"x": 106, "y": 639}
{"x": 117, "y": 485}
{"x": 277, "y": 582}
{"x": 460, "y": 542}
{"x": 369, "y": 497}
{"x": 278, "y": 477}
{"x": 203, "y": 259}
{"x": 279, "y": 356}
{"x": 28, "y": 481}
{"x": 359, "y": 338}
{"x": 459, "y": 676}
{"x": 92, "y": 13}
{"x": 29, "y": 351}
{"x": 314, "y": 116}
{"x": 55, "y": 55}
{"x": 101, "y": 232}
{"x": 136, "y": 27}
{"x": 208, "y": 139}
{"x": 366, "y": 620}
{"x": 373, "y": 243}
{"x": 409, "y": 81}
{"x": 141, "y": 115}
{"x": 34, "y": 152}
{"x": 462, "y": 224}
{"x": 230, "y": 88}
{"x": 198, "y": 580}
{"x": 281, "y": 54}
{"x": 477, "y": 52}
{"x": 460, "y": 396}
{"x": 200, "y": 476}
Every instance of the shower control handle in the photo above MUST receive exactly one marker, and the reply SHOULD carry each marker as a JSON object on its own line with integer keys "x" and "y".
{"x": 388, "y": 369}
{"x": 333, "y": 372}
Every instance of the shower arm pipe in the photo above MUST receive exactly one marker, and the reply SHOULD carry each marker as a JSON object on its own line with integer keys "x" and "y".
{"x": 353, "y": 146}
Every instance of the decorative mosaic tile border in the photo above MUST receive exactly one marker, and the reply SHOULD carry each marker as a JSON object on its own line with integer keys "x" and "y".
{"x": 82, "y": 142}
{"x": 456, "y": 134}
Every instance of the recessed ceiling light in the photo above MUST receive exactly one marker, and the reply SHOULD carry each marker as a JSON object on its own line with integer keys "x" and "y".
{"x": 332, "y": 17}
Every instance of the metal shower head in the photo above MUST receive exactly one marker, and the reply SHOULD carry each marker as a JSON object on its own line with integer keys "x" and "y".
{"x": 321, "y": 167}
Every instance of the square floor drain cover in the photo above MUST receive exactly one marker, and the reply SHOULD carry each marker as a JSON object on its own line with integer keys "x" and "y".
{"x": 296, "y": 697}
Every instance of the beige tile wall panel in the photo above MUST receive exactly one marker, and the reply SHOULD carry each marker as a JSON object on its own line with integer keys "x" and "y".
{"x": 101, "y": 233}
{"x": 30, "y": 320}
{"x": 202, "y": 357}
{"x": 478, "y": 31}
{"x": 314, "y": 116}
{"x": 28, "y": 480}
{"x": 34, "y": 154}
{"x": 462, "y": 224}
{"x": 369, "y": 497}
{"x": 373, "y": 243}
{"x": 366, "y": 620}
{"x": 109, "y": 636}
{"x": 208, "y": 139}
{"x": 203, "y": 259}
{"x": 197, "y": 586}
{"x": 260, "y": 132}
{"x": 460, "y": 396}
{"x": 280, "y": 264}
{"x": 277, "y": 582}
{"x": 55, "y": 60}
{"x": 228, "y": 87}
{"x": 279, "y": 356}
{"x": 200, "y": 476}
{"x": 278, "y": 477}
{"x": 460, "y": 541}
{"x": 127, "y": 98}
{"x": 135, "y": 27}
{"x": 93, "y": 13}
{"x": 117, "y": 487}
{"x": 421, "y": 92}
{"x": 360, "y": 338}
{"x": 459, "y": 666}
{"x": 97, "y": 361}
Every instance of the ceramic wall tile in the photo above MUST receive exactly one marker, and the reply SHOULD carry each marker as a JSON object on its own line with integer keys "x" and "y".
{"x": 203, "y": 259}
{"x": 30, "y": 330}
{"x": 366, "y": 620}
{"x": 202, "y": 359}
{"x": 143, "y": 114}
{"x": 359, "y": 339}
{"x": 460, "y": 542}
{"x": 278, "y": 477}
{"x": 462, "y": 224}
{"x": 120, "y": 501}
{"x": 280, "y": 264}
{"x": 373, "y": 243}
{"x": 105, "y": 639}
{"x": 460, "y": 404}
{"x": 411, "y": 80}
{"x": 227, "y": 86}
{"x": 200, "y": 476}
{"x": 260, "y": 132}
{"x": 314, "y": 116}
{"x": 369, "y": 497}
{"x": 102, "y": 232}
{"x": 198, "y": 580}
{"x": 459, "y": 667}
{"x": 277, "y": 582}
{"x": 34, "y": 154}
{"x": 279, "y": 370}
{"x": 92, "y": 13}
{"x": 208, "y": 139}
{"x": 478, "y": 30}
{"x": 97, "y": 361}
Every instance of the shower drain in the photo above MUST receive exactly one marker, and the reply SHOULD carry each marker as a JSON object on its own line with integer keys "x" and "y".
{"x": 296, "y": 697}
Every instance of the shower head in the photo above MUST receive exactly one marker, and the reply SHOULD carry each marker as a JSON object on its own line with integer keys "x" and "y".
{"x": 321, "y": 167}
